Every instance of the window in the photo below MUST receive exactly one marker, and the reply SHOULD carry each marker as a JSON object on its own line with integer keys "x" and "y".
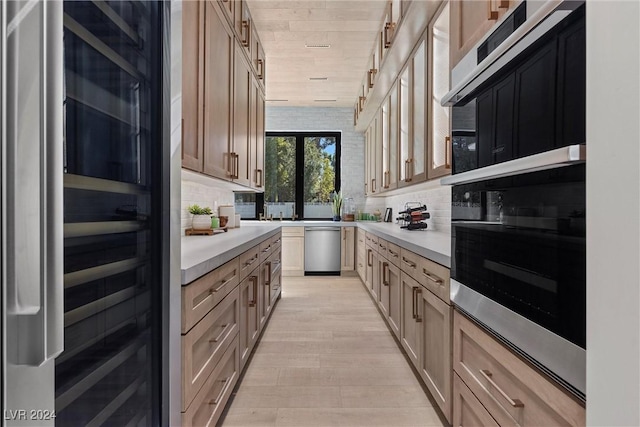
{"x": 302, "y": 173}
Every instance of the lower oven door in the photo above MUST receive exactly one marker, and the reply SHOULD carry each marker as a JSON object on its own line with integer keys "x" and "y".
{"x": 519, "y": 264}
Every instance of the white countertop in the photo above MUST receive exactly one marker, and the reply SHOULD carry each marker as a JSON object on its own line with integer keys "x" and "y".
{"x": 202, "y": 254}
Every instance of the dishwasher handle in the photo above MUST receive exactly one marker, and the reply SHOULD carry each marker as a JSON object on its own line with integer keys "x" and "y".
{"x": 321, "y": 229}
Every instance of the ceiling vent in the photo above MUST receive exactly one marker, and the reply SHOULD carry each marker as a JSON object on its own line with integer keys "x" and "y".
{"x": 317, "y": 46}
{"x": 276, "y": 100}
{"x": 318, "y": 78}
{"x": 325, "y": 100}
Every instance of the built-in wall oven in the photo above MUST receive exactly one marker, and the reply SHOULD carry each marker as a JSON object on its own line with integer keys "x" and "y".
{"x": 518, "y": 212}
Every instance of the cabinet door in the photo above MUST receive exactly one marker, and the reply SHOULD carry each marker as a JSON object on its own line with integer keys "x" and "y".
{"x": 471, "y": 20}
{"x": 383, "y": 266}
{"x": 262, "y": 65}
{"x": 293, "y": 255}
{"x": 264, "y": 294}
{"x": 395, "y": 298}
{"x": 392, "y": 152}
{"x": 435, "y": 351}
{"x": 249, "y": 321}
{"x": 259, "y": 144}
{"x": 535, "y": 102}
{"x": 254, "y": 176}
{"x": 241, "y": 120}
{"x": 367, "y": 137}
{"x": 218, "y": 93}
{"x": 243, "y": 25}
{"x": 417, "y": 156}
{"x": 411, "y": 324}
{"x": 439, "y": 155}
{"x": 192, "y": 84}
{"x": 347, "y": 249}
{"x": 368, "y": 268}
{"x": 373, "y": 156}
{"x": 229, "y": 7}
{"x": 404, "y": 130}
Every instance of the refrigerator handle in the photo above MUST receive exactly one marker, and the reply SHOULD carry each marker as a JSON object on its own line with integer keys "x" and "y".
{"x": 37, "y": 306}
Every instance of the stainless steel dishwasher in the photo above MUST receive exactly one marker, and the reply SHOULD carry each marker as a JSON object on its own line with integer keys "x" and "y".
{"x": 322, "y": 250}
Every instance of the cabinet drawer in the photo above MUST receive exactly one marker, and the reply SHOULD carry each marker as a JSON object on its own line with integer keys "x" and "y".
{"x": 293, "y": 231}
{"x": 203, "y": 346}
{"x": 371, "y": 239}
{"x": 249, "y": 261}
{"x": 201, "y": 295}
{"x": 467, "y": 409}
{"x": 266, "y": 249}
{"x": 511, "y": 390}
{"x": 434, "y": 277}
{"x": 206, "y": 408}
{"x": 276, "y": 241}
{"x": 361, "y": 236}
{"x": 393, "y": 254}
{"x": 275, "y": 264}
{"x": 382, "y": 247}
{"x": 409, "y": 263}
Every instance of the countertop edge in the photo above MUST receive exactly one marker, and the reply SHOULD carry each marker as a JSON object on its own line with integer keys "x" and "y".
{"x": 198, "y": 270}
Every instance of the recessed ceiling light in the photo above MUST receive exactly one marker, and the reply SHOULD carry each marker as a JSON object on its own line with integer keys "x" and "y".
{"x": 325, "y": 100}
{"x": 317, "y": 46}
{"x": 318, "y": 78}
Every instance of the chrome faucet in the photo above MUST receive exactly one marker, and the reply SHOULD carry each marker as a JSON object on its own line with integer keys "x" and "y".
{"x": 293, "y": 212}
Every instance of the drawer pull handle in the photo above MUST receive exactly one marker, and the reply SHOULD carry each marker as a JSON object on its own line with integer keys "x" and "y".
{"x": 251, "y": 261}
{"x": 516, "y": 403}
{"x": 393, "y": 254}
{"x": 435, "y": 280}
{"x": 224, "y": 283}
{"x": 409, "y": 263}
{"x": 224, "y": 332}
{"x": 254, "y": 299}
{"x": 385, "y": 273}
{"x": 226, "y": 382}
{"x": 267, "y": 249}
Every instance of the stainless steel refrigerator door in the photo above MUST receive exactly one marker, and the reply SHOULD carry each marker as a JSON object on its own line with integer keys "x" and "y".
{"x": 32, "y": 265}
{"x": 322, "y": 249}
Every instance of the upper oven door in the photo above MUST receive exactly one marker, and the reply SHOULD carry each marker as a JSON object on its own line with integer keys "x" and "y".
{"x": 531, "y": 104}
{"x": 520, "y": 241}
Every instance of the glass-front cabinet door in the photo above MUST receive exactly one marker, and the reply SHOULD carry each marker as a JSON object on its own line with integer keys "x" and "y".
{"x": 439, "y": 160}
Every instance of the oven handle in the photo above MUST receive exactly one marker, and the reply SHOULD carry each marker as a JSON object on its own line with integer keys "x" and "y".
{"x": 560, "y": 157}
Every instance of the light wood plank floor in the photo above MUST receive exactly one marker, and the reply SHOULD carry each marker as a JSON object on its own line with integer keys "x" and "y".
{"x": 327, "y": 358}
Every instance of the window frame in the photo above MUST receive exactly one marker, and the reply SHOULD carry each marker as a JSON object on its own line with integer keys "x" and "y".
{"x": 299, "y": 195}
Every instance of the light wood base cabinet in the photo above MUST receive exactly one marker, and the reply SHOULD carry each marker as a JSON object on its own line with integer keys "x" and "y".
{"x": 249, "y": 315}
{"x": 409, "y": 327}
{"x": 348, "y": 249}
{"x": 293, "y": 251}
{"x": 206, "y": 408}
{"x": 513, "y": 392}
{"x": 467, "y": 409}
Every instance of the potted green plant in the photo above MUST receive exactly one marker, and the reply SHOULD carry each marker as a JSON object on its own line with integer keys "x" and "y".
{"x": 201, "y": 217}
{"x": 337, "y": 205}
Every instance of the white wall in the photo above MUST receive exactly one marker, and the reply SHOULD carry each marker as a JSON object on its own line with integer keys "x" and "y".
{"x": 613, "y": 213}
{"x": 328, "y": 119}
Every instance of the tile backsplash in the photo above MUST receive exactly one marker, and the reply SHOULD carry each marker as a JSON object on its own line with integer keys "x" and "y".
{"x": 436, "y": 197}
{"x": 201, "y": 190}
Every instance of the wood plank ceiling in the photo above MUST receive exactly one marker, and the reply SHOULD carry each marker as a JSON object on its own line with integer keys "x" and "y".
{"x": 296, "y": 73}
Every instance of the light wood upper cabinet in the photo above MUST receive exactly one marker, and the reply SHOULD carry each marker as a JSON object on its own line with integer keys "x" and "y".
{"x": 259, "y": 145}
{"x": 392, "y": 151}
{"x": 223, "y": 119}
{"x": 241, "y": 120}
{"x": 218, "y": 92}
{"x": 439, "y": 155}
{"x": 470, "y": 21}
{"x": 192, "y": 53}
{"x": 417, "y": 147}
{"x": 229, "y": 8}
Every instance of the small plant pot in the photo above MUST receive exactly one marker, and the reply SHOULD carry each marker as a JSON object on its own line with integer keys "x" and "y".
{"x": 201, "y": 222}
{"x": 223, "y": 221}
{"x": 337, "y": 218}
